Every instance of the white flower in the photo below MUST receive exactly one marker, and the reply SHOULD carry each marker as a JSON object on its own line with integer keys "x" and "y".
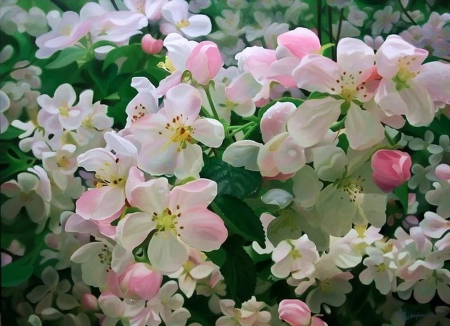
{"x": 439, "y": 197}
{"x": 384, "y": 20}
{"x": 421, "y": 177}
{"x": 179, "y": 20}
{"x": 380, "y": 269}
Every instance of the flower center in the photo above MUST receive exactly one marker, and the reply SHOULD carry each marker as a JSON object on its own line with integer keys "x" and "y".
{"x": 105, "y": 257}
{"x": 182, "y": 23}
{"x": 167, "y": 65}
{"x": 167, "y": 220}
{"x": 181, "y": 133}
{"x": 326, "y": 286}
{"x": 66, "y": 30}
{"x": 106, "y": 177}
{"x": 350, "y": 87}
{"x": 381, "y": 268}
{"x": 361, "y": 230}
{"x": 63, "y": 162}
{"x": 352, "y": 187}
{"x": 64, "y": 109}
{"x": 404, "y": 74}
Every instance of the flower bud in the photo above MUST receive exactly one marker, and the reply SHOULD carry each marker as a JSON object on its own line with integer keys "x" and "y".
{"x": 294, "y": 312}
{"x": 443, "y": 172}
{"x": 151, "y": 45}
{"x": 391, "y": 168}
{"x": 140, "y": 280}
{"x": 89, "y": 302}
{"x": 204, "y": 62}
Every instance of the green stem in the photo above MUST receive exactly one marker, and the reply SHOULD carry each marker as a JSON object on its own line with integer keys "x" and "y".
{"x": 239, "y": 128}
{"x": 211, "y": 102}
{"x": 205, "y": 112}
{"x": 341, "y": 18}
{"x": 113, "y": 2}
{"x": 391, "y": 141}
{"x": 319, "y": 20}
{"x": 330, "y": 28}
{"x": 250, "y": 130}
{"x": 406, "y": 13}
{"x": 18, "y": 68}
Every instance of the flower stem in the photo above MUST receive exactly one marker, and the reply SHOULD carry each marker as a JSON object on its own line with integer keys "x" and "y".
{"x": 211, "y": 102}
{"x": 391, "y": 141}
{"x": 250, "y": 130}
{"x": 406, "y": 12}
{"x": 239, "y": 128}
{"x": 341, "y": 18}
{"x": 113, "y": 2}
{"x": 319, "y": 20}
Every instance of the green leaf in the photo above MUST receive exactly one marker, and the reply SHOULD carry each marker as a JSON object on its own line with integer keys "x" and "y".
{"x": 239, "y": 218}
{"x": 218, "y": 256}
{"x": 402, "y": 193}
{"x": 132, "y": 53}
{"x": 231, "y": 180}
{"x": 11, "y": 133}
{"x": 285, "y": 226}
{"x": 238, "y": 270}
{"x": 66, "y": 57}
{"x": 317, "y": 96}
{"x": 14, "y": 159}
{"x": 17, "y": 272}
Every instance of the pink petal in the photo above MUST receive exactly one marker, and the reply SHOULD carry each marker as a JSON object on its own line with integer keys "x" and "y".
{"x": 195, "y": 194}
{"x": 100, "y": 203}
{"x": 202, "y": 229}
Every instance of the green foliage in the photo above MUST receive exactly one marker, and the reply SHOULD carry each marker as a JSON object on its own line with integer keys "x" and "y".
{"x": 66, "y": 57}
{"x": 230, "y": 179}
{"x": 239, "y": 218}
{"x": 402, "y": 193}
{"x": 11, "y": 133}
{"x": 238, "y": 270}
{"x": 285, "y": 226}
{"x": 13, "y": 160}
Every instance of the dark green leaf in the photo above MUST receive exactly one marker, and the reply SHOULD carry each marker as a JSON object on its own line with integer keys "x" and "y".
{"x": 239, "y": 218}
{"x": 218, "y": 256}
{"x": 402, "y": 193}
{"x": 238, "y": 270}
{"x": 14, "y": 159}
{"x": 16, "y": 273}
{"x": 132, "y": 53}
{"x": 231, "y": 180}
{"x": 66, "y": 57}
{"x": 11, "y": 133}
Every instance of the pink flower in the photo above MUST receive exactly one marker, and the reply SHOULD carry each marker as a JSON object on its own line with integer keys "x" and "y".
{"x": 177, "y": 218}
{"x": 391, "y": 169}
{"x": 151, "y": 45}
{"x": 204, "y": 62}
{"x": 297, "y": 313}
{"x": 139, "y": 280}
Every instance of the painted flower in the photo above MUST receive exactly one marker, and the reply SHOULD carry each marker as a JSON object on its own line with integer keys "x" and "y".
{"x": 178, "y": 218}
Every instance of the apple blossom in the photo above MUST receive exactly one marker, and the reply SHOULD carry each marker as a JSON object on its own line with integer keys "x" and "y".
{"x": 407, "y": 86}
{"x": 179, "y": 20}
{"x": 179, "y": 218}
{"x": 66, "y": 31}
{"x": 169, "y": 136}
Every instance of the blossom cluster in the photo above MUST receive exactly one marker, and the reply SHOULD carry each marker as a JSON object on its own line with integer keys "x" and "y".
{"x": 156, "y": 179}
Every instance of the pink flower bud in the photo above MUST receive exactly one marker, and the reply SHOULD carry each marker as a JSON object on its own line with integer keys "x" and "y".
{"x": 443, "y": 172}
{"x": 89, "y": 302}
{"x": 140, "y": 280}
{"x": 151, "y": 45}
{"x": 204, "y": 62}
{"x": 294, "y": 312}
{"x": 391, "y": 168}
